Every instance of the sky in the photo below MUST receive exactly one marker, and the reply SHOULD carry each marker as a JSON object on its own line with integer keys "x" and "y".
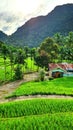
{"x": 14, "y": 13}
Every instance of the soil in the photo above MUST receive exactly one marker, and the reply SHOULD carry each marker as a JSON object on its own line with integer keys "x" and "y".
{"x": 8, "y": 88}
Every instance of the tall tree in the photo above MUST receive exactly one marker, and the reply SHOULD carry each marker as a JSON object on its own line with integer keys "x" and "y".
{"x": 11, "y": 57}
{"x": 4, "y": 53}
{"x": 66, "y": 50}
{"x": 32, "y": 55}
{"x": 50, "y": 47}
{"x": 26, "y": 50}
{"x": 58, "y": 38}
{"x": 20, "y": 57}
{"x": 19, "y": 60}
{"x": 70, "y": 46}
{"x": 42, "y": 59}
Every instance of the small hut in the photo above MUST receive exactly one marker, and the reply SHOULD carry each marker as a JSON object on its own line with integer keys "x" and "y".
{"x": 57, "y": 73}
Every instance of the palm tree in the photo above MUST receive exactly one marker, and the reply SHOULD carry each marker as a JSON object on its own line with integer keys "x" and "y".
{"x": 32, "y": 54}
{"x": 19, "y": 60}
{"x": 26, "y": 50}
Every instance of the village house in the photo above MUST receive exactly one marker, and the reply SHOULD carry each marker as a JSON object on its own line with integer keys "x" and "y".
{"x": 60, "y": 69}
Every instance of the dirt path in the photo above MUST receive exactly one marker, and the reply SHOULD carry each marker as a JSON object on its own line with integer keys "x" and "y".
{"x": 10, "y": 87}
{"x": 30, "y": 97}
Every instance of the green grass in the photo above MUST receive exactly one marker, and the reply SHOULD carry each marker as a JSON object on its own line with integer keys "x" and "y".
{"x": 37, "y": 114}
{"x": 59, "y": 86}
{"x": 57, "y": 121}
{"x": 35, "y": 107}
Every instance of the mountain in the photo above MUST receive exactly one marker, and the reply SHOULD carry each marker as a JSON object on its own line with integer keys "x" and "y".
{"x": 33, "y": 32}
{"x": 3, "y": 37}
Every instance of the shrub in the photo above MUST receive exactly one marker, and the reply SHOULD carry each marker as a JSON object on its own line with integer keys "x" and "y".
{"x": 42, "y": 74}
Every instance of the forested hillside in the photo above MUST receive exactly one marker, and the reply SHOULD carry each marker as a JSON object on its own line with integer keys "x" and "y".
{"x": 33, "y": 32}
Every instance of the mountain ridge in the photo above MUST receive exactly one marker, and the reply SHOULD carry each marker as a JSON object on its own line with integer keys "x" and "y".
{"x": 33, "y": 32}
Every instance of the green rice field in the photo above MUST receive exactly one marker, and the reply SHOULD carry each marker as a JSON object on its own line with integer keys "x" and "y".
{"x": 37, "y": 114}
{"x": 59, "y": 86}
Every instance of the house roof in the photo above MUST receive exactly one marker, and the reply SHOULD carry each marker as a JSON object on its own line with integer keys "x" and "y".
{"x": 64, "y": 66}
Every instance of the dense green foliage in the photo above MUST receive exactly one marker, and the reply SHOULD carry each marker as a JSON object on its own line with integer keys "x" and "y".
{"x": 60, "y": 86}
{"x": 18, "y": 73}
{"x": 51, "y": 47}
{"x": 57, "y": 49}
{"x": 42, "y": 59}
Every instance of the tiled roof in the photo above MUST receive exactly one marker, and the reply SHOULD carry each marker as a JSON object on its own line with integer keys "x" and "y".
{"x": 64, "y": 66}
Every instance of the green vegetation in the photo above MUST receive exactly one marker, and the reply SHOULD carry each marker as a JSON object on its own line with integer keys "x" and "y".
{"x": 35, "y": 107}
{"x": 2, "y": 71}
{"x": 37, "y": 114}
{"x": 41, "y": 75}
{"x": 31, "y": 67}
{"x": 52, "y": 50}
{"x": 60, "y": 86}
{"x": 56, "y": 49}
{"x": 11, "y": 57}
{"x": 8, "y": 69}
{"x": 59, "y": 121}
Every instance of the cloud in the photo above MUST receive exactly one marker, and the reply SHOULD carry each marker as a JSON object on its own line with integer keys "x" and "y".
{"x": 10, "y": 22}
{"x": 11, "y": 18}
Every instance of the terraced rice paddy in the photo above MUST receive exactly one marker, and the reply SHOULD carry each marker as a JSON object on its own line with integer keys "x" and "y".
{"x": 37, "y": 114}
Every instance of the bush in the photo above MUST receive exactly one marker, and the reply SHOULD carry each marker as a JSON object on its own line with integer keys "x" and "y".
{"x": 42, "y": 75}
